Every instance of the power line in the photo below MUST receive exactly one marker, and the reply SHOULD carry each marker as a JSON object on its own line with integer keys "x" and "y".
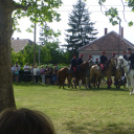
{"x": 92, "y": 11}
{"x": 99, "y": 5}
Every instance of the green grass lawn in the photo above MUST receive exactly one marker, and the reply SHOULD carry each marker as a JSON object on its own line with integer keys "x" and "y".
{"x": 74, "y": 111}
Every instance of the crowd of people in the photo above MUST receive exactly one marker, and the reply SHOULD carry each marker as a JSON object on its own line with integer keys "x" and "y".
{"x": 34, "y": 73}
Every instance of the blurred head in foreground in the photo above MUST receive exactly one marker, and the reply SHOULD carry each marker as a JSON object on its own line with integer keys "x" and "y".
{"x": 25, "y": 121}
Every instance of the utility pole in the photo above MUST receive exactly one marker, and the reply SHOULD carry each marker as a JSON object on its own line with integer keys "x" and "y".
{"x": 34, "y": 53}
{"x": 119, "y": 37}
{"x": 34, "y": 44}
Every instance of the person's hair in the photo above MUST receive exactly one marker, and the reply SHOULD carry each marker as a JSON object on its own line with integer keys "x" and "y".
{"x": 25, "y": 121}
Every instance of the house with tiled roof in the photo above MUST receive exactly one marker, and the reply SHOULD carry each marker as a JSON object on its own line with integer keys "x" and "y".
{"x": 111, "y": 42}
{"x": 19, "y": 44}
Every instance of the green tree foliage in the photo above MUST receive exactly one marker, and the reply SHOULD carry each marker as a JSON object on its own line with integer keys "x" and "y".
{"x": 49, "y": 54}
{"x": 112, "y": 13}
{"x": 39, "y": 11}
{"x": 81, "y": 30}
{"x": 17, "y": 57}
{"x": 48, "y": 35}
{"x": 45, "y": 56}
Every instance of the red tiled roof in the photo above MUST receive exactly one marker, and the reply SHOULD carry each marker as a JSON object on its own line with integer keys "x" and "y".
{"x": 111, "y": 41}
{"x": 19, "y": 44}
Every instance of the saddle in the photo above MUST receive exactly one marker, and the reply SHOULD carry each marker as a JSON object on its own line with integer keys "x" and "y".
{"x": 102, "y": 67}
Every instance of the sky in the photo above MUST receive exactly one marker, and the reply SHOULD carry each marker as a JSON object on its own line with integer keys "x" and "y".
{"x": 97, "y": 15}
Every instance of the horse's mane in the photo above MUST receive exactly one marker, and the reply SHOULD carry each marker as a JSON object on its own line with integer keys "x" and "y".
{"x": 84, "y": 62}
{"x": 122, "y": 58}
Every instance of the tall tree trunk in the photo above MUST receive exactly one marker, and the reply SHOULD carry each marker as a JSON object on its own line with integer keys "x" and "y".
{"x": 6, "y": 89}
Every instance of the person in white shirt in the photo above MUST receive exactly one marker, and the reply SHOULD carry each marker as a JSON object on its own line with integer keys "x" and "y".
{"x": 26, "y": 68}
{"x": 35, "y": 73}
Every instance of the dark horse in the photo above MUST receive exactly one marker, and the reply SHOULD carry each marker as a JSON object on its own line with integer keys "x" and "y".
{"x": 64, "y": 73}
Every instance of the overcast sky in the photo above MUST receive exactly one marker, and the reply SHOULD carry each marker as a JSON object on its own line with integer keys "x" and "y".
{"x": 96, "y": 16}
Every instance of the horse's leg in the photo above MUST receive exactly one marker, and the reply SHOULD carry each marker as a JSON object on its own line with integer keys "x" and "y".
{"x": 80, "y": 83}
{"x": 98, "y": 85}
{"x": 89, "y": 83}
{"x": 108, "y": 78}
{"x": 129, "y": 86}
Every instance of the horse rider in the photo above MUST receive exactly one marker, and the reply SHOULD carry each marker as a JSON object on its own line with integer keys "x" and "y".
{"x": 96, "y": 62}
{"x": 131, "y": 57}
{"x": 80, "y": 60}
{"x": 113, "y": 57}
{"x": 103, "y": 61}
{"x": 103, "y": 58}
{"x": 73, "y": 63}
{"x": 90, "y": 58}
{"x": 124, "y": 55}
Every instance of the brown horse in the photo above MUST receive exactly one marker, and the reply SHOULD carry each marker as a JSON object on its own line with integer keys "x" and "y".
{"x": 62, "y": 75}
{"x": 83, "y": 70}
{"x": 95, "y": 72}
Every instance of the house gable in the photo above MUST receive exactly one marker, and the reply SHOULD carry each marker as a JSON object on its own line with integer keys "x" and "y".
{"x": 111, "y": 41}
{"x": 19, "y": 44}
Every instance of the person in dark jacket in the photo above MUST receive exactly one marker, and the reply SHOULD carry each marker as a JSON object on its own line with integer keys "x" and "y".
{"x": 80, "y": 60}
{"x": 131, "y": 57}
{"x": 73, "y": 63}
{"x": 90, "y": 58}
{"x": 103, "y": 58}
{"x": 103, "y": 62}
{"x": 124, "y": 55}
{"x": 96, "y": 62}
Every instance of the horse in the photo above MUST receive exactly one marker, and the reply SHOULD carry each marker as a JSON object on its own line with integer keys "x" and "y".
{"x": 62, "y": 75}
{"x": 80, "y": 74}
{"x": 129, "y": 73}
{"x": 96, "y": 73}
{"x": 118, "y": 74}
{"x": 65, "y": 72}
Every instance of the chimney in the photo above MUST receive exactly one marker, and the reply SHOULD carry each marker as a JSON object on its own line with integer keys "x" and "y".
{"x": 122, "y": 31}
{"x": 105, "y": 31}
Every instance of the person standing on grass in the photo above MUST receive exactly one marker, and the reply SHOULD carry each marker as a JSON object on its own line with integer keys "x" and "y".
{"x": 42, "y": 72}
{"x": 55, "y": 75}
{"x": 25, "y": 121}
{"x": 51, "y": 76}
{"x": 26, "y": 71}
{"x": 12, "y": 70}
{"x": 16, "y": 72}
{"x": 35, "y": 73}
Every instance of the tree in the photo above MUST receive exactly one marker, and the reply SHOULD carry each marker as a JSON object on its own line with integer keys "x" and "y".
{"x": 112, "y": 12}
{"x": 10, "y": 11}
{"x": 81, "y": 30}
{"x": 47, "y": 35}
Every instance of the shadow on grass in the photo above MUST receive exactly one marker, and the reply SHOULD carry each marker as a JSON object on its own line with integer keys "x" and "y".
{"x": 88, "y": 128}
{"x": 95, "y": 89}
{"x": 31, "y": 84}
{"x": 66, "y": 88}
